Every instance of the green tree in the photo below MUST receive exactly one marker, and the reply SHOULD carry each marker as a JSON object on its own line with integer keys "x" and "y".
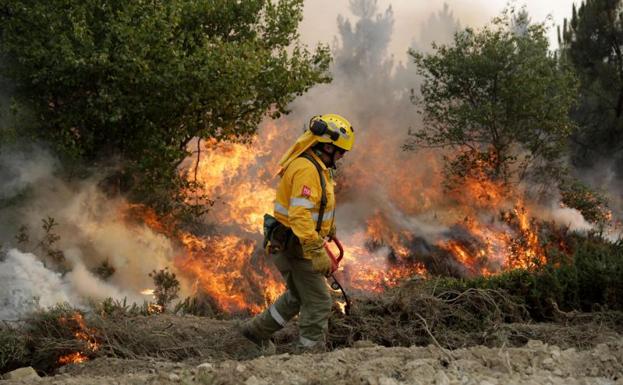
{"x": 167, "y": 287}
{"x": 500, "y": 99}
{"x": 592, "y": 41}
{"x": 138, "y": 80}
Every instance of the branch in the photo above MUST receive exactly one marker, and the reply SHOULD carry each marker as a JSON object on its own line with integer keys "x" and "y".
{"x": 198, "y": 157}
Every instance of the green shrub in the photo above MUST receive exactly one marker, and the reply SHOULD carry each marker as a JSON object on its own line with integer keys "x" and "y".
{"x": 591, "y": 279}
{"x": 167, "y": 286}
{"x": 13, "y": 352}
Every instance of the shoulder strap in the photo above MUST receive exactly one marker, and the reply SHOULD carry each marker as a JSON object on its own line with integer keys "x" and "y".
{"x": 323, "y": 198}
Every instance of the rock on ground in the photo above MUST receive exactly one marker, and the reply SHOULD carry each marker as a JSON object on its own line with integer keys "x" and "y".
{"x": 535, "y": 363}
{"x": 22, "y": 374}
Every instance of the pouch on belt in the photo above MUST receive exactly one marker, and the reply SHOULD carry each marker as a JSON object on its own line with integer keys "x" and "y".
{"x": 279, "y": 238}
{"x": 276, "y": 235}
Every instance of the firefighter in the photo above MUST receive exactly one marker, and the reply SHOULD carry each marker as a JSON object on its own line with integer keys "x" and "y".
{"x": 295, "y": 240}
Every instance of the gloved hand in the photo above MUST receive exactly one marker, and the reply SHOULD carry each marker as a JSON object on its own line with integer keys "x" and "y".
{"x": 332, "y": 232}
{"x": 315, "y": 251}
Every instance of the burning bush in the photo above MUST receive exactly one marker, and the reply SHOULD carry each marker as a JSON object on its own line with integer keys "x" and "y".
{"x": 454, "y": 312}
{"x": 47, "y": 339}
{"x": 591, "y": 280}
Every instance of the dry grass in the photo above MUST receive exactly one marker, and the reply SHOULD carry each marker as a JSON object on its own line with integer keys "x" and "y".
{"x": 417, "y": 313}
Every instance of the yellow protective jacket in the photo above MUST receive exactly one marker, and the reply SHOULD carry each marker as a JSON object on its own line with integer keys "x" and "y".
{"x": 298, "y": 198}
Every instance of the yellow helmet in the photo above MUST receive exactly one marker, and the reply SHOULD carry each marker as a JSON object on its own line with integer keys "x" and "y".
{"x": 333, "y": 128}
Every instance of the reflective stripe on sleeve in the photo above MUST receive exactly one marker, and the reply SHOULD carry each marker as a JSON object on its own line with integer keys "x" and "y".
{"x": 302, "y": 202}
{"x": 280, "y": 209}
{"x": 325, "y": 217}
{"x": 276, "y": 316}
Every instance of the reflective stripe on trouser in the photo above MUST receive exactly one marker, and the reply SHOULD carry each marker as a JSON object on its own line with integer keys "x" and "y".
{"x": 307, "y": 293}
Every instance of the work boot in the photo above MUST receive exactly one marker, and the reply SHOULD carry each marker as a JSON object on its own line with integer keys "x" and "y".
{"x": 318, "y": 347}
{"x": 265, "y": 346}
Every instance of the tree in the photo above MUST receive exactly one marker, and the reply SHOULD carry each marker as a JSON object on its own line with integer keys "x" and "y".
{"x": 167, "y": 286}
{"x": 499, "y": 99}
{"x": 592, "y": 42}
{"x": 439, "y": 28}
{"x": 138, "y": 80}
{"x": 362, "y": 55}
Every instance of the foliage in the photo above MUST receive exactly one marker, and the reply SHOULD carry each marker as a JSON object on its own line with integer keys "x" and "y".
{"x": 105, "y": 270}
{"x": 47, "y": 244}
{"x": 13, "y": 350}
{"x": 499, "y": 99}
{"x": 362, "y": 54}
{"x": 591, "y": 204}
{"x": 114, "y": 308}
{"x": 592, "y": 42}
{"x": 591, "y": 280}
{"x": 167, "y": 286}
{"x": 137, "y": 81}
{"x": 22, "y": 237}
{"x": 44, "y": 329}
{"x": 200, "y": 305}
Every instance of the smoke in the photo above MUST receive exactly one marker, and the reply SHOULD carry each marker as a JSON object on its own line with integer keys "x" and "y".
{"x": 378, "y": 179}
{"x": 605, "y": 177}
{"x": 92, "y": 229}
{"x": 27, "y": 284}
{"x": 374, "y": 93}
{"x": 20, "y": 170}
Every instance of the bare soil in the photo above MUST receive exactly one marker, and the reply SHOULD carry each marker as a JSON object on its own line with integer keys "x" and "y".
{"x": 573, "y": 354}
{"x": 535, "y": 363}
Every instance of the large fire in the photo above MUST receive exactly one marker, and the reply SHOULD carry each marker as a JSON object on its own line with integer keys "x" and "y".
{"x": 417, "y": 230}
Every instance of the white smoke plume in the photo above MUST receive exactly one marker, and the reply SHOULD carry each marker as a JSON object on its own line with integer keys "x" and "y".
{"x": 27, "y": 285}
{"x": 92, "y": 230}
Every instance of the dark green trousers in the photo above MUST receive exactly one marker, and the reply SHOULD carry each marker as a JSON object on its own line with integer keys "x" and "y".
{"x": 307, "y": 295}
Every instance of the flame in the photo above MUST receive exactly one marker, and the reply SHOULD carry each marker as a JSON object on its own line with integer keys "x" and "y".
{"x": 223, "y": 269}
{"x": 367, "y": 270}
{"x": 225, "y": 259}
{"x": 72, "y": 358}
{"x": 341, "y": 305}
{"x": 82, "y": 333}
{"x": 154, "y": 308}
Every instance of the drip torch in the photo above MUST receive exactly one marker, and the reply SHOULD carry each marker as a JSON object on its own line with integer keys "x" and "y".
{"x": 335, "y": 262}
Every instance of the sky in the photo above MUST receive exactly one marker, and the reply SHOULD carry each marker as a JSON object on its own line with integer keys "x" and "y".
{"x": 320, "y": 25}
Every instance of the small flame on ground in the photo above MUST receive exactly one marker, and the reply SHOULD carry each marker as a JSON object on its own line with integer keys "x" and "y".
{"x": 147, "y": 292}
{"x": 341, "y": 306}
{"x": 82, "y": 333}
{"x": 72, "y": 358}
{"x": 154, "y": 308}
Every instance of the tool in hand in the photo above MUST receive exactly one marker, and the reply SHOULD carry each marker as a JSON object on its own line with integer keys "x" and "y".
{"x": 335, "y": 261}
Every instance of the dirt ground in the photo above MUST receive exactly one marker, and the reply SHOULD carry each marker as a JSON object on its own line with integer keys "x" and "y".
{"x": 534, "y": 363}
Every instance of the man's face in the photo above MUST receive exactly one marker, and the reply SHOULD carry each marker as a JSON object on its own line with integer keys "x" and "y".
{"x": 336, "y": 153}
{"x": 339, "y": 153}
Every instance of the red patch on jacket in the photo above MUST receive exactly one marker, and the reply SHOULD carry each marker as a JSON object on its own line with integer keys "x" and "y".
{"x": 306, "y": 192}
